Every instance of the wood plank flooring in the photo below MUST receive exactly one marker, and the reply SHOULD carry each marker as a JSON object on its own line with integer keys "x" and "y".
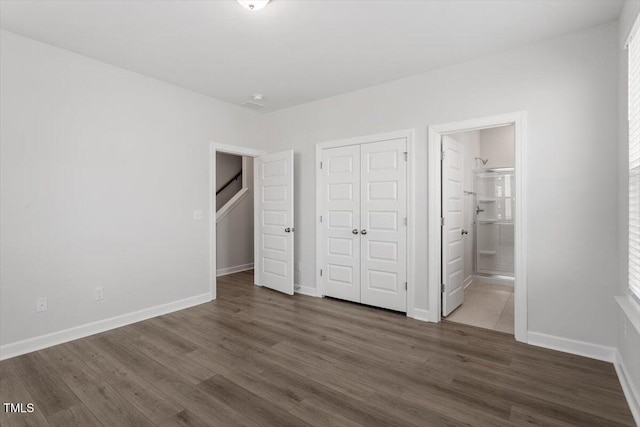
{"x": 257, "y": 357}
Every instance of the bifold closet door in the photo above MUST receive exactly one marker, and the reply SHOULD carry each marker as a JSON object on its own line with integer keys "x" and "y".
{"x": 340, "y": 241}
{"x": 383, "y": 213}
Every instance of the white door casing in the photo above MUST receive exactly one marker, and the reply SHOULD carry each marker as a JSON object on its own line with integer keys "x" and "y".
{"x": 274, "y": 174}
{"x": 383, "y": 213}
{"x": 340, "y": 242}
{"x": 452, "y": 243}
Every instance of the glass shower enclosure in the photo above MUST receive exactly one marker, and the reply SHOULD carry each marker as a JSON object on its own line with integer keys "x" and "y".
{"x": 494, "y": 221}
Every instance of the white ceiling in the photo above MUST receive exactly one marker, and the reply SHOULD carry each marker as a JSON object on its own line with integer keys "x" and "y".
{"x": 294, "y": 51}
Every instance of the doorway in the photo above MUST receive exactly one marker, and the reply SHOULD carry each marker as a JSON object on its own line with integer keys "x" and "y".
{"x": 478, "y": 208}
{"x": 272, "y": 213}
{"x": 476, "y": 223}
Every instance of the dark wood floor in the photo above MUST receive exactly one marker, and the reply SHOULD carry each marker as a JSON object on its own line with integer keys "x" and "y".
{"x": 256, "y": 357}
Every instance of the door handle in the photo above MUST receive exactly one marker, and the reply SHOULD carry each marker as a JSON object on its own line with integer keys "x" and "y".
{"x": 287, "y": 230}
{"x": 354, "y": 231}
{"x": 363, "y": 232}
{"x": 464, "y": 232}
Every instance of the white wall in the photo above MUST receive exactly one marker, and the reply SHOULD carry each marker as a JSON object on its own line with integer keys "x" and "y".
{"x": 568, "y": 85}
{"x": 629, "y": 343}
{"x": 101, "y": 170}
{"x": 227, "y": 166}
{"x": 497, "y": 145}
{"x": 471, "y": 145}
{"x": 234, "y": 233}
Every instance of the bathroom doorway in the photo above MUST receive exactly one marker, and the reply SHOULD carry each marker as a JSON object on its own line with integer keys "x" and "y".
{"x": 478, "y": 205}
{"x": 479, "y": 242}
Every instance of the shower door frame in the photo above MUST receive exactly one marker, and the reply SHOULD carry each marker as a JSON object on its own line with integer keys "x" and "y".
{"x": 434, "y": 237}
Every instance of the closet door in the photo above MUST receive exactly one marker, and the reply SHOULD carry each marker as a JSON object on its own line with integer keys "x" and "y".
{"x": 383, "y": 211}
{"x": 340, "y": 241}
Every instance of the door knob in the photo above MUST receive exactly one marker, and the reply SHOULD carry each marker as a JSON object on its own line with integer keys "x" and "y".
{"x": 464, "y": 232}
{"x": 354, "y": 231}
{"x": 363, "y": 231}
{"x": 287, "y": 230}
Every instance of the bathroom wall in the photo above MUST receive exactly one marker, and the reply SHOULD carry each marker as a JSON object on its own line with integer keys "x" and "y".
{"x": 497, "y": 145}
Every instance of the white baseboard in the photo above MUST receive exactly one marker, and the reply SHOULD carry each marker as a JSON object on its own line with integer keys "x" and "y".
{"x": 43, "y": 341}
{"x": 468, "y": 281}
{"x": 306, "y": 290}
{"x": 630, "y": 391}
{"x": 234, "y": 269}
{"x": 420, "y": 314}
{"x": 580, "y": 348}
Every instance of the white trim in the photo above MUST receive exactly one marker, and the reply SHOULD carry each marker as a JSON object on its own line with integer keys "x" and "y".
{"x": 631, "y": 309}
{"x": 409, "y": 135}
{"x": 629, "y": 389}
{"x": 635, "y": 29}
{"x": 567, "y": 345}
{"x": 306, "y": 290}
{"x": 467, "y": 281}
{"x": 234, "y": 269}
{"x": 420, "y": 314}
{"x": 239, "y": 151}
{"x": 232, "y": 203}
{"x": 48, "y": 340}
{"x": 518, "y": 119}
{"x": 498, "y": 280}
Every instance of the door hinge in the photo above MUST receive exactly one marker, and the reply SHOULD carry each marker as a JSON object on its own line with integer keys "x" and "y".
{"x": 320, "y": 218}
{"x": 320, "y": 165}
{"x": 405, "y": 221}
{"x": 441, "y": 221}
{"x": 406, "y": 156}
{"x": 405, "y": 286}
{"x": 442, "y": 288}
{"x": 320, "y": 272}
{"x": 442, "y": 155}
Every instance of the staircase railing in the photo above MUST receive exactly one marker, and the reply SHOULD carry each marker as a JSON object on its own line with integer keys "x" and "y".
{"x": 228, "y": 183}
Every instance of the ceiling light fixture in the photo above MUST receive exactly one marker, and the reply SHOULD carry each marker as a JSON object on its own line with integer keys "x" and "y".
{"x": 253, "y": 4}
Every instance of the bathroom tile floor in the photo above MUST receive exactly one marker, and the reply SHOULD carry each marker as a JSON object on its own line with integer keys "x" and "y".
{"x": 487, "y": 304}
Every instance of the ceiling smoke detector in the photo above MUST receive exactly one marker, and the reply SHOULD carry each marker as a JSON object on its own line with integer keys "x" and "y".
{"x": 253, "y": 4}
{"x": 256, "y": 101}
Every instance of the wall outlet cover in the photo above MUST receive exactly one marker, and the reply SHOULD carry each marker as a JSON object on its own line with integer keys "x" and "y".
{"x": 99, "y": 293}
{"x": 198, "y": 215}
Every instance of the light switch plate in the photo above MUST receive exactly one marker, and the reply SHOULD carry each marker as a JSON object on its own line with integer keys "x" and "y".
{"x": 41, "y": 304}
{"x": 198, "y": 215}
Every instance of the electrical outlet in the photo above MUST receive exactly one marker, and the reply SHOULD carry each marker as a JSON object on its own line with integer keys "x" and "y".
{"x": 198, "y": 215}
{"x": 99, "y": 293}
{"x": 298, "y": 266}
{"x": 41, "y": 304}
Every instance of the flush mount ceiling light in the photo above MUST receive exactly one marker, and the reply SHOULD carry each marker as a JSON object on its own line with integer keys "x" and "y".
{"x": 253, "y": 4}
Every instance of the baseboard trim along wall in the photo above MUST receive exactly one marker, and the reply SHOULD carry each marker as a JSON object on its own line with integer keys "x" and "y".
{"x": 468, "y": 281}
{"x": 579, "y": 348}
{"x": 306, "y": 290}
{"x": 630, "y": 391}
{"x": 234, "y": 269}
{"x": 43, "y": 341}
{"x": 420, "y": 314}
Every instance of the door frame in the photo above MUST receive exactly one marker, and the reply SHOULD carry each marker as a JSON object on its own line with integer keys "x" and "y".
{"x": 409, "y": 135}
{"x": 215, "y": 147}
{"x": 435, "y": 133}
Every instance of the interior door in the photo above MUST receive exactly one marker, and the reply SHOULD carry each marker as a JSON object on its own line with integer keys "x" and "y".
{"x": 383, "y": 213}
{"x": 452, "y": 244}
{"x": 275, "y": 227}
{"x": 340, "y": 238}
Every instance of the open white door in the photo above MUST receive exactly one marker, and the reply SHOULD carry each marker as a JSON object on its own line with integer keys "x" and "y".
{"x": 452, "y": 244}
{"x": 274, "y": 221}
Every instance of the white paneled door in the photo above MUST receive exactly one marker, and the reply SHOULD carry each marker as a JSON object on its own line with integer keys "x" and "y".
{"x": 452, "y": 243}
{"x": 341, "y": 232}
{"x": 363, "y": 245}
{"x": 274, "y": 185}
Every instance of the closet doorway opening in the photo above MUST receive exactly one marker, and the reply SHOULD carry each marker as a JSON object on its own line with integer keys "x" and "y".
{"x": 476, "y": 247}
